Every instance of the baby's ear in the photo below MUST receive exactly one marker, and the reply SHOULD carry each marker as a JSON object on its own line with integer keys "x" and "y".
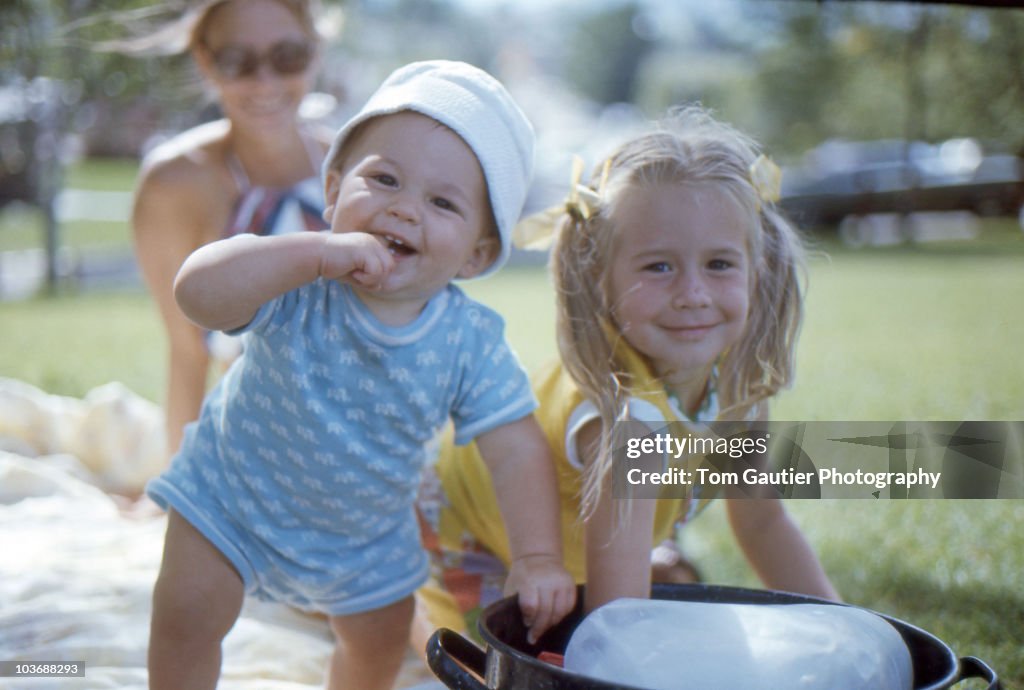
{"x": 332, "y": 186}
{"x": 484, "y": 253}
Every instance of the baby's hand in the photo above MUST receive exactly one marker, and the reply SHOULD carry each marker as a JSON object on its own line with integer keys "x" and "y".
{"x": 546, "y": 592}
{"x": 355, "y": 257}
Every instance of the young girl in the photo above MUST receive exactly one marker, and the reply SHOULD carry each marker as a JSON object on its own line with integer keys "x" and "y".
{"x": 678, "y": 299}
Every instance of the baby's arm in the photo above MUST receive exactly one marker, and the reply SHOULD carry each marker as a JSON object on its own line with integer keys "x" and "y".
{"x": 522, "y": 471}
{"x": 222, "y": 284}
{"x": 777, "y": 549}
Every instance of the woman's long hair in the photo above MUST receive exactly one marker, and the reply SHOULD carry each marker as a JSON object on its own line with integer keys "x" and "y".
{"x": 172, "y": 28}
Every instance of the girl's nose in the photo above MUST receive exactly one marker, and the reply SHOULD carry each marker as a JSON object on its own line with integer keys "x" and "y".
{"x": 690, "y": 292}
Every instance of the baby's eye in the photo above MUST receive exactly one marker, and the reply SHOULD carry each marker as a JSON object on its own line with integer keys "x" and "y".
{"x": 445, "y": 204}
{"x": 385, "y": 179}
{"x": 719, "y": 264}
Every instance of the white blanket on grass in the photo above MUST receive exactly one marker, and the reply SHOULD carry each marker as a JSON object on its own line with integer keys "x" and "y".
{"x": 76, "y": 575}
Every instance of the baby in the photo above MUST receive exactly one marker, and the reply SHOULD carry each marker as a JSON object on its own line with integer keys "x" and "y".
{"x": 298, "y": 481}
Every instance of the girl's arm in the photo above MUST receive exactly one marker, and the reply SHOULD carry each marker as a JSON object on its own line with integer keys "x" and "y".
{"x": 774, "y": 545}
{"x": 777, "y": 549}
{"x": 523, "y": 473}
{"x": 221, "y": 285}
{"x": 618, "y": 538}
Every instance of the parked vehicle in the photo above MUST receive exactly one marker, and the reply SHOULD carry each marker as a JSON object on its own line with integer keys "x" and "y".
{"x": 858, "y": 179}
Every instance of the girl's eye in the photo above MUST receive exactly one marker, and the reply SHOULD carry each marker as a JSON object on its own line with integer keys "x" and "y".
{"x": 720, "y": 264}
{"x": 658, "y": 267}
{"x": 385, "y": 179}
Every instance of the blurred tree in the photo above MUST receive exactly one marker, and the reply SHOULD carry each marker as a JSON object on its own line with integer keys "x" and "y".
{"x": 701, "y": 55}
{"x": 892, "y": 71}
{"x": 110, "y": 102}
{"x": 972, "y": 75}
{"x": 794, "y": 73}
{"x": 604, "y": 53}
{"x": 32, "y": 119}
{"x": 800, "y": 75}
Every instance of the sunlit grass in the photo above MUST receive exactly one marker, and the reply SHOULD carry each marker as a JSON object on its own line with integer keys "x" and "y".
{"x": 102, "y": 174}
{"x": 899, "y": 335}
{"x": 70, "y": 344}
{"x": 23, "y": 227}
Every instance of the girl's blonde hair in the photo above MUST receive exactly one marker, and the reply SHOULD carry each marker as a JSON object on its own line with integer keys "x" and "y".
{"x": 688, "y": 148}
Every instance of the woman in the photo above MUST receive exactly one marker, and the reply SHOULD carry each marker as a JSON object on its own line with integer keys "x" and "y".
{"x": 255, "y": 170}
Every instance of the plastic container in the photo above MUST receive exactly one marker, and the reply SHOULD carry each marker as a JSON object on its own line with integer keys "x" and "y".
{"x": 663, "y": 645}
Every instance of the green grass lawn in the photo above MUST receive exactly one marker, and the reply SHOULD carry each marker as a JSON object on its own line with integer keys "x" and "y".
{"x": 919, "y": 333}
{"x": 923, "y": 334}
{"x": 72, "y": 343}
{"x": 102, "y": 174}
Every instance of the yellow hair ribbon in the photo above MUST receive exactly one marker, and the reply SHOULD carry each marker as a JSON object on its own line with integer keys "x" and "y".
{"x": 766, "y": 177}
{"x": 537, "y": 232}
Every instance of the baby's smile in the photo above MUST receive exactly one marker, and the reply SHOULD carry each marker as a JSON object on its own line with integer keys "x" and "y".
{"x": 397, "y": 246}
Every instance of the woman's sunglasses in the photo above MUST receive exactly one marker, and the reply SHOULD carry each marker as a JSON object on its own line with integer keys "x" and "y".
{"x": 285, "y": 58}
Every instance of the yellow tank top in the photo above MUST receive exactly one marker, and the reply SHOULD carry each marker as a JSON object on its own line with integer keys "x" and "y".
{"x": 471, "y": 501}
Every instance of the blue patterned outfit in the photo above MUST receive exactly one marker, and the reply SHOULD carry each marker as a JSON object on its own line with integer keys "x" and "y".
{"x": 304, "y": 464}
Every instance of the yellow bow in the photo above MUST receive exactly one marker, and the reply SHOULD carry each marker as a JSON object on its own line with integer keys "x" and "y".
{"x": 537, "y": 232}
{"x": 766, "y": 178}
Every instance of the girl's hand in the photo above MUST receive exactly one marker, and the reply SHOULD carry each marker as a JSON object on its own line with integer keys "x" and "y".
{"x": 546, "y": 592}
{"x": 355, "y": 257}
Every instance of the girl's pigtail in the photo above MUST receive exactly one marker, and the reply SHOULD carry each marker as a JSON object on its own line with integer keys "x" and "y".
{"x": 585, "y": 338}
{"x": 763, "y": 362}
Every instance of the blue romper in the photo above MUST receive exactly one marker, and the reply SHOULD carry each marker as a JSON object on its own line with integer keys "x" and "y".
{"x": 304, "y": 464}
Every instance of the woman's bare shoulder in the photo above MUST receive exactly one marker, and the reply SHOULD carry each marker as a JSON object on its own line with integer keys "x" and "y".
{"x": 192, "y": 159}
{"x": 185, "y": 183}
